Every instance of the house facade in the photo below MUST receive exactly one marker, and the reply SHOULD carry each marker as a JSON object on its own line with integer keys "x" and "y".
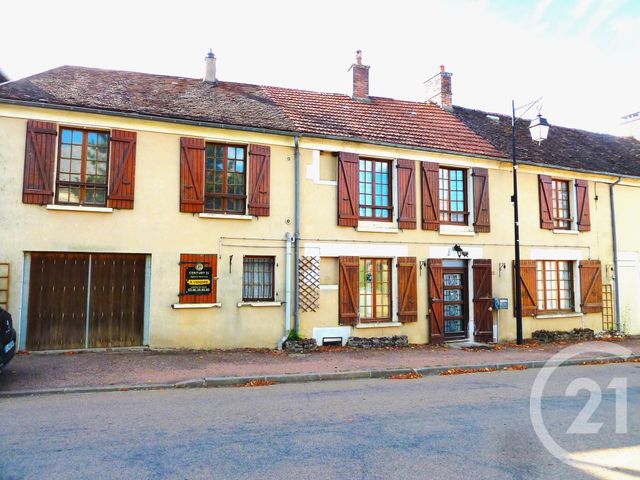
{"x": 171, "y": 212}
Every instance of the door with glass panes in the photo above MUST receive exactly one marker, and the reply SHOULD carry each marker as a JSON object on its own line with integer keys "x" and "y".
{"x": 456, "y": 309}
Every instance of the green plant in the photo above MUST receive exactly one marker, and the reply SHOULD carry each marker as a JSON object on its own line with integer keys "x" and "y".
{"x": 293, "y": 336}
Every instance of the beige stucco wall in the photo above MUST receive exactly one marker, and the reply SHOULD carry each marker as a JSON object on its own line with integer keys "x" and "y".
{"x": 319, "y": 228}
{"x": 626, "y": 202}
{"x": 157, "y": 228}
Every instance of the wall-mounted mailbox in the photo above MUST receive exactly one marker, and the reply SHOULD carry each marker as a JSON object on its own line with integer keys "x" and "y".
{"x": 500, "y": 303}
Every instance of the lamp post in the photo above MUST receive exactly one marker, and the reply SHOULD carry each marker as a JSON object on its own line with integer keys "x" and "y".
{"x": 539, "y": 128}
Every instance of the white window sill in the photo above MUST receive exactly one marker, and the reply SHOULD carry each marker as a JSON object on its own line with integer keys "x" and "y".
{"x": 566, "y": 232}
{"x": 179, "y": 306}
{"x": 460, "y": 230}
{"x": 560, "y": 315}
{"x": 377, "y": 227}
{"x": 78, "y": 208}
{"x": 330, "y": 183}
{"x": 225, "y": 216}
{"x": 378, "y": 325}
{"x": 328, "y": 287}
{"x": 259, "y": 304}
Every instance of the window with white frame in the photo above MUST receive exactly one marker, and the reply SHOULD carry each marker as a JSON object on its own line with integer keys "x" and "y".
{"x": 555, "y": 285}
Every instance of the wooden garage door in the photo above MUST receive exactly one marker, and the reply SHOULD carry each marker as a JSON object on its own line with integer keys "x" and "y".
{"x": 116, "y": 313}
{"x": 66, "y": 287}
{"x": 57, "y": 301}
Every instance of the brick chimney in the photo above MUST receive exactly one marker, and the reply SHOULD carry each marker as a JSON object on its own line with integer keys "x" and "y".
{"x": 438, "y": 89}
{"x": 210, "y": 68}
{"x": 360, "y": 78}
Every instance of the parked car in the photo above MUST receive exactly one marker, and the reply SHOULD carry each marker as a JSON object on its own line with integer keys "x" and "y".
{"x": 7, "y": 338}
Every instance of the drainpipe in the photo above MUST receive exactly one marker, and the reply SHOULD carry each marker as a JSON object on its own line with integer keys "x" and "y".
{"x": 615, "y": 251}
{"x": 296, "y": 239}
{"x": 287, "y": 290}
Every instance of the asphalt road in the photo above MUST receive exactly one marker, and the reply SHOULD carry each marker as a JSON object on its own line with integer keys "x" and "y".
{"x": 465, "y": 426}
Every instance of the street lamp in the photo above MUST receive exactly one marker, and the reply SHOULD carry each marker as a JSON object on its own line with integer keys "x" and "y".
{"x": 539, "y": 129}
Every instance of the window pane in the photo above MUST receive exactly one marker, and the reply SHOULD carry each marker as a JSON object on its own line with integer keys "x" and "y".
{"x": 74, "y": 195}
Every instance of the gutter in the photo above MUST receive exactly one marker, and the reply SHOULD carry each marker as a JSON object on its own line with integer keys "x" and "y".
{"x": 296, "y": 237}
{"x": 287, "y": 290}
{"x": 615, "y": 252}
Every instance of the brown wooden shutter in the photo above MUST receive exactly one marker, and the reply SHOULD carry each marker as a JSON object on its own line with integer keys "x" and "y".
{"x": 191, "y": 175}
{"x": 39, "y": 158}
{"x": 189, "y": 260}
{"x": 436, "y": 301}
{"x": 590, "y": 286}
{"x": 348, "y": 189}
{"x": 482, "y": 300}
{"x": 430, "y": 195}
{"x": 259, "y": 180}
{"x": 122, "y": 169}
{"x": 406, "y": 194}
{"x": 349, "y": 290}
{"x": 529, "y": 287}
{"x": 481, "y": 219}
{"x": 582, "y": 197}
{"x": 407, "y": 290}
{"x": 545, "y": 186}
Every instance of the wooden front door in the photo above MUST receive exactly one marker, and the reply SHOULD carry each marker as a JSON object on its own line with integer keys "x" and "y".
{"x": 81, "y": 300}
{"x": 456, "y": 318}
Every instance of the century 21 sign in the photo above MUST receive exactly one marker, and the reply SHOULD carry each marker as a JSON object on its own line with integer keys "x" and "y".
{"x": 198, "y": 280}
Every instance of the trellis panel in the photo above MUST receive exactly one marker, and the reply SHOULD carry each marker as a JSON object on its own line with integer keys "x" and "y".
{"x": 309, "y": 284}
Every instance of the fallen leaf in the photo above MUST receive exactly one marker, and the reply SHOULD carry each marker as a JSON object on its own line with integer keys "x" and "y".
{"x": 258, "y": 383}
{"x": 406, "y": 376}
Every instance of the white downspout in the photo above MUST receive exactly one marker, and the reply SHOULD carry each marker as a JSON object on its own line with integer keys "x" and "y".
{"x": 287, "y": 290}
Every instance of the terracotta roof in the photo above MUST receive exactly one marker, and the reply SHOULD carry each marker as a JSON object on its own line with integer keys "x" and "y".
{"x": 381, "y": 120}
{"x": 565, "y": 147}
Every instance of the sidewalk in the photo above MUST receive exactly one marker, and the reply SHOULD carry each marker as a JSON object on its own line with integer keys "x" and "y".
{"x": 31, "y": 372}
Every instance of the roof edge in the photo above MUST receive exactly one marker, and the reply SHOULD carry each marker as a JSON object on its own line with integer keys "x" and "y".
{"x": 184, "y": 121}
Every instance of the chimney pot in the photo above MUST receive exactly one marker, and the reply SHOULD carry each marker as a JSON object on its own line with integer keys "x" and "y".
{"x": 210, "y": 68}
{"x": 360, "y": 78}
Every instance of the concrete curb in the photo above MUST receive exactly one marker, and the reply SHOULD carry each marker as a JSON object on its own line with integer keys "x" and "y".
{"x": 215, "y": 382}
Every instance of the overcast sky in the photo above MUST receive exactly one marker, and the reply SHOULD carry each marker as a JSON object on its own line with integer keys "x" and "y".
{"x": 582, "y": 56}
